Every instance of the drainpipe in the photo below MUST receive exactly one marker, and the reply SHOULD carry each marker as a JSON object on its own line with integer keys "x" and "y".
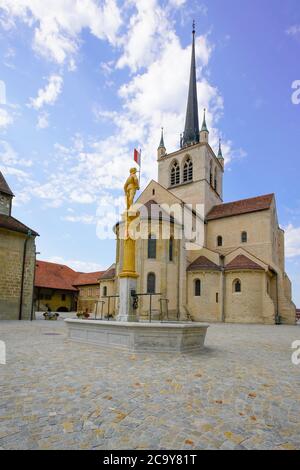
{"x": 222, "y": 257}
{"x": 23, "y": 273}
{"x": 33, "y": 285}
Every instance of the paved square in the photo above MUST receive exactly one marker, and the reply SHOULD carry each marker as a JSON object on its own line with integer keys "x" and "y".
{"x": 242, "y": 392}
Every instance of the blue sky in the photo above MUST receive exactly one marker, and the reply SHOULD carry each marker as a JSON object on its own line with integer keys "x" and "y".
{"x": 87, "y": 81}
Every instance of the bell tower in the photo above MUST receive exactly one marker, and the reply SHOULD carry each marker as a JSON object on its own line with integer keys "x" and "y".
{"x": 194, "y": 173}
{"x": 6, "y": 196}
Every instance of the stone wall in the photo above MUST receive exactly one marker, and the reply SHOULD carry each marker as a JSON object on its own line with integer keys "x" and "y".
{"x": 11, "y": 261}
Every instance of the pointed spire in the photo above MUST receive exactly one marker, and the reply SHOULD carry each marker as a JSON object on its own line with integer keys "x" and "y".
{"x": 4, "y": 188}
{"x": 220, "y": 154}
{"x": 204, "y": 126}
{"x": 162, "y": 144}
{"x": 191, "y": 130}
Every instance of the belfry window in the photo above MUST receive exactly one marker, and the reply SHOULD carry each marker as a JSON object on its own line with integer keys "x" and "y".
{"x": 151, "y": 247}
{"x": 188, "y": 170}
{"x": 171, "y": 249}
{"x": 237, "y": 286}
{"x": 244, "y": 237}
{"x": 175, "y": 174}
{"x": 197, "y": 287}
{"x": 215, "y": 180}
{"x": 219, "y": 241}
{"x": 151, "y": 283}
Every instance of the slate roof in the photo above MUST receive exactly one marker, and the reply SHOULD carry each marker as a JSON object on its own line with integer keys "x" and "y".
{"x": 244, "y": 206}
{"x": 242, "y": 262}
{"x": 203, "y": 263}
{"x": 4, "y": 188}
{"x": 10, "y": 223}
{"x": 110, "y": 273}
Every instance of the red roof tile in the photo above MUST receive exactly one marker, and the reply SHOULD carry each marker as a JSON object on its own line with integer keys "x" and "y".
{"x": 88, "y": 278}
{"x": 55, "y": 276}
{"x": 243, "y": 206}
{"x": 242, "y": 262}
{"x": 203, "y": 263}
{"x": 10, "y": 223}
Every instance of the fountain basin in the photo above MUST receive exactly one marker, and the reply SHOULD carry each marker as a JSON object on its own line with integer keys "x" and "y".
{"x": 167, "y": 337}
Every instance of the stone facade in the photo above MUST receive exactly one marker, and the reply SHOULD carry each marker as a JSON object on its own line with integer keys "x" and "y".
{"x": 17, "y": 261}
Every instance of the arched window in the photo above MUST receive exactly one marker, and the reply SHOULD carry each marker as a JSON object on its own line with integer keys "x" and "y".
{"x": 188, "y": 170}
{"x": 171, "y": 249}
{"x": 219, "y": 241}
{"x": 151, "y": 246}
{"x": 151, "y": 283}
{"x": 237, "y": 286}
{"x": 175, "y": 174}
{"x": 104, "y": 291}
{"x": 197, "y": 287}
{"x": 215, "y": 179}
{"x": 244, "y": 237}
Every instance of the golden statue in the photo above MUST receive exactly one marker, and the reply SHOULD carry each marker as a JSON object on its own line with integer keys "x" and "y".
{"x": 131, "y": 186}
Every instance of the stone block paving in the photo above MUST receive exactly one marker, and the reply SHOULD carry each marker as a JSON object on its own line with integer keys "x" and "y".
{"x": 241, "y": 392}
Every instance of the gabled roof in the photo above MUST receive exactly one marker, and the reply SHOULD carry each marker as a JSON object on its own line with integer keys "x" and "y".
{"x": 10, "y": 223}
{"x": 243, "y": 206}
{"x": 203, "y": 263}
{"x": 110, "y": 273}
{"x": 4, "y": 188}
{"x": 85, "y": 279}
{"x": 55, "y": 276}
{"x": 242, "y": 262}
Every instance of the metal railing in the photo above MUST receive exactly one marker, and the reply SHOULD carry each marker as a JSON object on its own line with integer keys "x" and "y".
{"x": 102, "y": 306}
{"x": 135, "y": 295}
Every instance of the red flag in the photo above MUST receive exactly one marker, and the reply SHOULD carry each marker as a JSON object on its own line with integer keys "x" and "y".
{"x": 137, "y": 157}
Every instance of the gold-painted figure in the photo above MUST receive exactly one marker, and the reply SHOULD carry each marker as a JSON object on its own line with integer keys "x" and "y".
{"x": 131, "y": 187}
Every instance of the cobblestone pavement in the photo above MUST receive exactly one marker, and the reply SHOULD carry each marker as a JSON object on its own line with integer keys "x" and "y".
{"x": 242, "y": 392}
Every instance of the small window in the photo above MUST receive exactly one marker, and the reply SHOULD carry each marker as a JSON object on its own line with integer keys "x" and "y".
{"x": 175, "y": 174}
{"x": 153, "y": 192}
{"x": 197, "y": 288}
{"x": 151, "y": 283}
{"x": 63, "y": 297}
{"x": 237, "y": 286}
{"x": 217, "y": 297}
{"x": 244, "y": 237}
{"x": 210, "y": 174}
{"x": 219, "y": 241}
{"x": 104, "y": 291}
{"x": 171, "y": 249}
{"x": 151, "y": 247}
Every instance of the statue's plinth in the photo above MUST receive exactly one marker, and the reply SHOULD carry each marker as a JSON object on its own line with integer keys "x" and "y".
{"x": 126, "y": 286}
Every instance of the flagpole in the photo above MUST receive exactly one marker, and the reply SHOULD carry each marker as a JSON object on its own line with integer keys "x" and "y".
{"x": 140, "y": 167}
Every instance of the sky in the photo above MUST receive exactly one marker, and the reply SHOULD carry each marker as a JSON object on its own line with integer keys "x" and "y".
{"x": 84, "y": 82}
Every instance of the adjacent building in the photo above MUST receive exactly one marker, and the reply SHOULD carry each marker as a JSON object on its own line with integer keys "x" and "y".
{"x": 17, "y": 261}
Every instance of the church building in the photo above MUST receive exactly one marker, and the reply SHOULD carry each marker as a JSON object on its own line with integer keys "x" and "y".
{"x": 237, "y": 274}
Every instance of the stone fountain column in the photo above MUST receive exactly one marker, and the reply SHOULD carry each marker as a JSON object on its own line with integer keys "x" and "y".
{"x": 128, "y": 276}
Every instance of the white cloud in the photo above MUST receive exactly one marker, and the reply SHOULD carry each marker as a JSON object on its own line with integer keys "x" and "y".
{"x": 77, "y": 265}
{"x": 5, "y": 118}
{"x": 82, "y": 219}
{"x": 49, "y": 94}
{"x": 59, "y": 23}
{"x": 43, "y": 121}
{"x": 292, "y": 241}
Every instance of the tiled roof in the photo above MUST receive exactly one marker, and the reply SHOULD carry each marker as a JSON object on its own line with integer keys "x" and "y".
{"x": 242, "y": 262}
{"x": 109, "y": 273}
{"x": 84, "y": 279}
{"x": 243, "y": 206}
{"x": 10, "y": 223}
{"x": 55, "y": 276}
{"x": 203, "y": 263}
{"x": 4, "y": 188}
